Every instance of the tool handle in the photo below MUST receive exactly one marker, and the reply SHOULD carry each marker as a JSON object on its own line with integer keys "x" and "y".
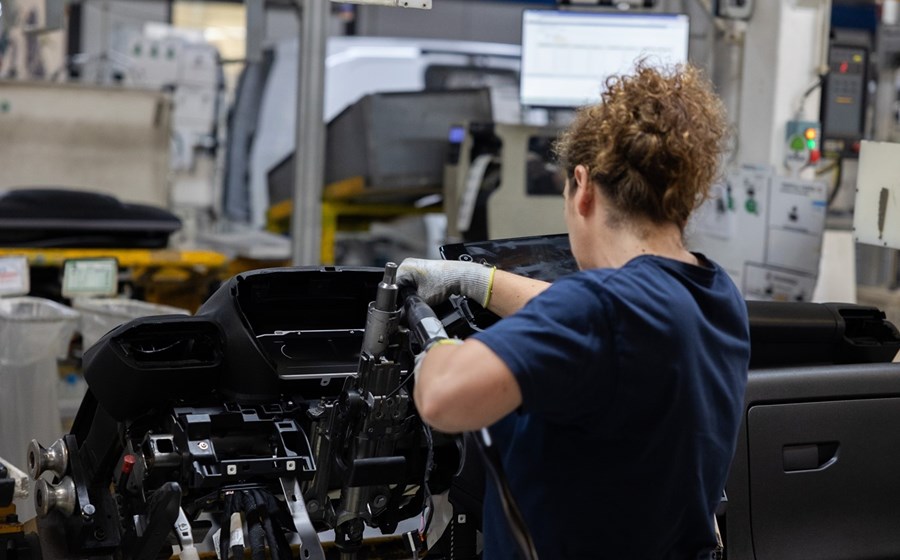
{"x": 421, "y": 319}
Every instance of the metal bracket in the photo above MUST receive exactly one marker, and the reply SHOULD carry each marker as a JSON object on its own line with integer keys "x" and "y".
{"x": 310, "y": 547}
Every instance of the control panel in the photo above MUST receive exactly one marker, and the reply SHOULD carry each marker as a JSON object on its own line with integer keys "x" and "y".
{"x": 843, "y": 100}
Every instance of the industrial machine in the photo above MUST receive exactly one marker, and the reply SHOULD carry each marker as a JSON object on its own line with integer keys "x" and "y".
{"x": 286, "y": 398}
{"x": 502, "y": 181}
{"x": 14, "y": 543}
{"x": 260, "y": 138}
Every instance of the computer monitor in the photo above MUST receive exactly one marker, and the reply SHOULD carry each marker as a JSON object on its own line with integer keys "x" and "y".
{"x": 567, "y": 56}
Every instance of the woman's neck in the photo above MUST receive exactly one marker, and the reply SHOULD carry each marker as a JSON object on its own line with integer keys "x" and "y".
{"x": 617, "y": 245}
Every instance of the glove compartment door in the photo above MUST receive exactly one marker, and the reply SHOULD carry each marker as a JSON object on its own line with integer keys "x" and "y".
{"x": 825, "y": 479}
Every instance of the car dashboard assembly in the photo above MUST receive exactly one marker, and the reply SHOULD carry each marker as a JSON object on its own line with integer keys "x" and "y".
{"x": 285, "y": 398}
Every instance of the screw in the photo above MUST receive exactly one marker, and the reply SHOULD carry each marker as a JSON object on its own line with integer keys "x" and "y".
{"x": 88, "y": 511}
{"x": 231, "y": 469}
{"x": 380, "y": 501}
{"x": 203, "y": 445}
{"x": 312, "y": 506}
{"x": 99, "y": 534}
{"x": 291, "y": 466}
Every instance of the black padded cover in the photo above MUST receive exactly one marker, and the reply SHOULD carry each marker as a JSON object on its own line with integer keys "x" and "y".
{"x": 47, "y": 217}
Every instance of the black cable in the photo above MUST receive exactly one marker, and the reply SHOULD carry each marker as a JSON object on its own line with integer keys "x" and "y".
{"x": 813, "y": 87}
{"x": 818, "y": 83}
{"x": 232, "y": 503}
{"x": 278, "y": 549}
{"x": 514, "y": 516}
{"x": 837, "y": 182}
{"x": 255, "y": 532}
{"x": 177, "y": 538}
{"x": 428, "y": 500}
{"x": 402, "y": 383}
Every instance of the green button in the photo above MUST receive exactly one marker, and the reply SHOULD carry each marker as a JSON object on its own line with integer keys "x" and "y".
{"x": 750, "y": 205}
{"x": 797, "y": 143}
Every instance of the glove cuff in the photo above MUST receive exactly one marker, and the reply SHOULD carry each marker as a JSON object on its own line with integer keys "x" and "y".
{"x": 476, "y": 282}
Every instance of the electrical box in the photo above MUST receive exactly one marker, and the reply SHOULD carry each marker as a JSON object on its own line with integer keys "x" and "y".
{"x": 844, "y": 99}
{"x": 765, "y": 231}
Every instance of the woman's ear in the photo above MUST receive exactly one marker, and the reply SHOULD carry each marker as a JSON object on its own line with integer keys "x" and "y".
{"x": 584, "y": 191}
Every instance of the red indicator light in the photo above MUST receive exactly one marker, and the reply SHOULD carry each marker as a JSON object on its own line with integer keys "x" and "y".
{"x": 844, "y": 67}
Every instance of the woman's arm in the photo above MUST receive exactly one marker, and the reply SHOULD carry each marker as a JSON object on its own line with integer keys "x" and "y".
{"x": 464, "y": 387}
{"x": 511, "y": 292}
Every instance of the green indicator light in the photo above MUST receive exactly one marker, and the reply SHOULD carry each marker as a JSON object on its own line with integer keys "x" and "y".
{"x": 750, "y": 206}
{"x": 797, "y": 144}
{"x": 811, "y": 144}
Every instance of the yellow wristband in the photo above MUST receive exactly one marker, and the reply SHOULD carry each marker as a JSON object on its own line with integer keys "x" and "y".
{"x": 444, "y": 341}
{"x": 490, "y": 288}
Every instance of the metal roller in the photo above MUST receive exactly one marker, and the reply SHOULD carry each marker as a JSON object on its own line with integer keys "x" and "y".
{"x": 42, "y": 459}
{"x": 60, "y": 497}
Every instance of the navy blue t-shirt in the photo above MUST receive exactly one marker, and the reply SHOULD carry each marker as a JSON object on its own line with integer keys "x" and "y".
{"x": 632, "y": 384}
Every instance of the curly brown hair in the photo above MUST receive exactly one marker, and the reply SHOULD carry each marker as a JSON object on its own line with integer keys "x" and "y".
{"x": 653, "y": 144}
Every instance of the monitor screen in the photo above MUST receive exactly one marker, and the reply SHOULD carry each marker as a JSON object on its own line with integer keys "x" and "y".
{"x": 567, "y": 56}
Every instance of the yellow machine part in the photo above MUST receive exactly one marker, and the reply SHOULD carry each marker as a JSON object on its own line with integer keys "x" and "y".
{"x": 170, "y": 277}
{"x": 348, "y": 206}
{"x": 8, "y": 528}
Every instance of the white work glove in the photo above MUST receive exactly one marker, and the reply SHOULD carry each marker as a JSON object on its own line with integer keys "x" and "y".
{"x": 436, "y": 281}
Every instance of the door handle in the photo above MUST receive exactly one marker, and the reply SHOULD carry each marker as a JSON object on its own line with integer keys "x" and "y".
{"x": 810, "y": 456}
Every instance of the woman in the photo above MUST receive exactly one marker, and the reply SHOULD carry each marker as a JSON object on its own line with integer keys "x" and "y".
{"x": 615, "y": 394}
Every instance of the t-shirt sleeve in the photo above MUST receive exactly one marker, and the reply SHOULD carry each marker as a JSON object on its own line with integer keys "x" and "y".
{"x": 558, "y": 348}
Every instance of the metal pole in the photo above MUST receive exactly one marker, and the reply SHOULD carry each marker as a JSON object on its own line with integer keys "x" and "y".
{"x": 256, "y": 29}
{"x": 309, "y": 158}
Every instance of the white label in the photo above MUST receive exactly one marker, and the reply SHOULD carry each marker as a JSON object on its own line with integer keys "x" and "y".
{"x": 90, "y": 277}
{"x": 14, "y": 276}
{"x": 237, "y": 530}
{"x": 237, "y": 534}
{"x": 217, "y": 536}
